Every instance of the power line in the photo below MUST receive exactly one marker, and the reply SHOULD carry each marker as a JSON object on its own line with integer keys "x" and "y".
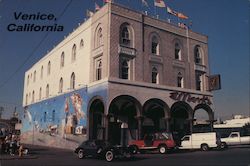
{"x": 34, "y": 50}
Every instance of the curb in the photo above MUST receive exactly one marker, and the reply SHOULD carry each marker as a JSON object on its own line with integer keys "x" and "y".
{"x": 17, "y": 157}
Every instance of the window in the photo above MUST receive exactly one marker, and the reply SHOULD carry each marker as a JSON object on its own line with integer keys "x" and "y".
{"x": 81, "y": 43}
{"x": 99, "y": 70}
{"x": 177, "y": 51}
{"x": 61, "y": 85}
{"x": 62, "y": 60}
{"x": 33, "y": 97}
{"x": 49, "y": 68}
{"x": 180, "y": 82}
{"x": 198, "y": 55}
{"x": 73, "y": 53}
{"x": 125, "y": 36}
{"x": 124, "y": 69}
{"x": 34, "y": 78}
{"x": 40, "y": 94}
{"x": 72, "y": 81}
{"x": 99, "y": 40}
{"x": 155, "y": 75}
{"x": 41, "y": 76}
{"x": 198, "y": 78}
{"x": 26, "y": 99}
{"x": 47, "y": 91}
{"x": 28, "y": 80}
{"x": 155, "y": 46}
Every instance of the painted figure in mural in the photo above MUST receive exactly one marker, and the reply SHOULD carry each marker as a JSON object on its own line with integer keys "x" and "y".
{"x": 77, "y": 104}
{"x": 27, "y": 115}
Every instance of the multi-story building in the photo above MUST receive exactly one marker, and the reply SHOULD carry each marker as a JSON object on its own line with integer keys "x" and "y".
{"x": 120, "y": 70}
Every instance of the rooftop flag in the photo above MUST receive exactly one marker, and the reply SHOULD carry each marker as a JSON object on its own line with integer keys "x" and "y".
{"x": 182, "y": 16}
{"x": 159, "y": 3}
{"x": 144, "y": 3}
{"x": 107, "y": 1}
{"x": 170, "y": 11}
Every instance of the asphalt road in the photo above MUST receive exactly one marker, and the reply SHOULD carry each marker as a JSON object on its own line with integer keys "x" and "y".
{"x": 40, "y": 156}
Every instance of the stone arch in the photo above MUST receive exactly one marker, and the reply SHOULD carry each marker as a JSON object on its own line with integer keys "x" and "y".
{"x": 96, "y": 109}
{"x": 181, "y": 119}
{"x": 203, "y": 125}
{"x": 124, "y": 119}
{"x": 156, "y": 114}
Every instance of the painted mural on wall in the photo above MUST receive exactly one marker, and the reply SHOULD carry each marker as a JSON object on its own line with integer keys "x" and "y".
{"x": 59, "y": 121}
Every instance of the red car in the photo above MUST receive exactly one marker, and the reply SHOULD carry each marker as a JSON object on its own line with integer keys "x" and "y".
{"x": 161, "y": 141}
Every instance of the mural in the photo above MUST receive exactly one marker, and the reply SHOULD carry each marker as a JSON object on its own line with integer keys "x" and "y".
{"x": 60, "y": 121}
{"x": 57, "y": 121}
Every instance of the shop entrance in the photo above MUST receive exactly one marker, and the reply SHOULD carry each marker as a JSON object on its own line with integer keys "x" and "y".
{"x": 96, "y": 120}
{"x": 123, "y": 124}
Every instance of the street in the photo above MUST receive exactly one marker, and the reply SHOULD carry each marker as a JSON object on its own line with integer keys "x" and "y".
{"x": 41, "y": 156}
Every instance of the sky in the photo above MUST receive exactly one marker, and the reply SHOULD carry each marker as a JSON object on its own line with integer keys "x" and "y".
{"x": 225, "y": 22}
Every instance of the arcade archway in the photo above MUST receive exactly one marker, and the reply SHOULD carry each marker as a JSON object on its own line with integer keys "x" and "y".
{"x": 96, "y": 119}
{"x": 203, "y": 118}
{"x": 181, "y": 119}
{"x": 123, "y": 119}
{"x": 155, "y": 116}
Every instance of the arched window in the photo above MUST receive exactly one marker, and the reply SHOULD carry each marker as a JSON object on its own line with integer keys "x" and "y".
{"x": 81, "y": 43}
{"x": 99, "y": 70}
{"x": 124, "y": 70}
{"x": 73, "y": 58}
{"x": 34, "y": 78}
{"x": 41, "y": 76}
{"x": 99, "y": 39}
{"x": 155, "y": 75}
{"x": 28, "y": 80}
{"x": 40, "y": 93}
{"x": 180, "y": 81}
{"x": 33, "y": 97}
{"x": 62, "y": 60}
{"x": 72, "y": 81}
{"x": 49, "y": 68}
{"x": 198, "y": 80}
{"x": 47, "y": 91}
{"x": 155, "y": 46}
{"x": 126, "y": 35}
{"x": 61, "y": 85}
{"x": 177, "y": 51}
{"x": 198, "y": 55}
{"x": 26, "y": 99}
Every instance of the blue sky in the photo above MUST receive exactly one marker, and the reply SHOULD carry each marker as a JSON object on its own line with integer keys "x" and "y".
{"x": 225, "y": 22}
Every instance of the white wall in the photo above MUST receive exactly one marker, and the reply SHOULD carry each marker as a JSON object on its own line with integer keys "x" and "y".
{"x": 80, "y": 66}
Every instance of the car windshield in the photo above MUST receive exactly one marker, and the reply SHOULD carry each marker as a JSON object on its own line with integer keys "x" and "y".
{"x": 167, "y": 135}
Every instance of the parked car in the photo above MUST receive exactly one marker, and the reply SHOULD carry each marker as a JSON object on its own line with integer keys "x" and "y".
{"x": 203, "y": 141}
{"x": 235, "y": 139}
{"x": 102, "y": 149}
{"x": 161, "y": 141}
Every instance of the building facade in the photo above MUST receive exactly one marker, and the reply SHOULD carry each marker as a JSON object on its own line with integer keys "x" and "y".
{"x": 120, "y": 71}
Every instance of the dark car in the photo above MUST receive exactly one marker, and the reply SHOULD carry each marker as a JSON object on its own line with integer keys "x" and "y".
{"x": 102, "y": 149}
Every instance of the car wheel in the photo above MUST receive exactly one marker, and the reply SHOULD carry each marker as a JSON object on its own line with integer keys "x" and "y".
{"x": 204, "y": 147}
{"x": 134, "y": 149}
{"x": 80, "y": 154}
{"x": 162, "y": 149}
{"x": 223, "y": 145}
{"x": 109, "y": 155}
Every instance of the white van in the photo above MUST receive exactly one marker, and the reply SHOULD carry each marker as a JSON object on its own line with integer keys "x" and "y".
{"x": 203, "y": 141}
